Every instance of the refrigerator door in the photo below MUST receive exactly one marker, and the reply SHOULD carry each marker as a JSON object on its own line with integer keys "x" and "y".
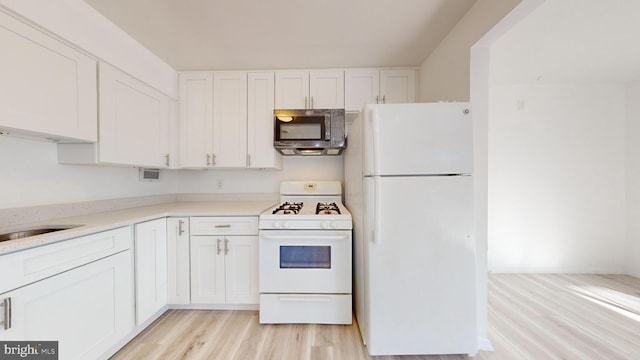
{"x": 420, "y": 266}
{"x": 418, "y": 139}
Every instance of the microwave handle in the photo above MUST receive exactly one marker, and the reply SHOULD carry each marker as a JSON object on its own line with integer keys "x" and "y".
{"x": 305, "y": 102}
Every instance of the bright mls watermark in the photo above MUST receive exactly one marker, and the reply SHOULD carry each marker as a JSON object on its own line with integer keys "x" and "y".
{"x": 31, "y": 350}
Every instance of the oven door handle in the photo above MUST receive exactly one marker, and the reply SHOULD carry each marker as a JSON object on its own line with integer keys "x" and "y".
{"x": 304, "y": 237}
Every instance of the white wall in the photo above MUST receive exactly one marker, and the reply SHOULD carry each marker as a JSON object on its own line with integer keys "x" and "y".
{"x": 31, "y": 176}
{"x": 557, "y": 178}
{"x": 632, "y": 164}
{"x": 445, "y": 74}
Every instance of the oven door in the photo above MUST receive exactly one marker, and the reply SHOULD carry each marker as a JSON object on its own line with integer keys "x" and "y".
{"x": 305, "y": 261}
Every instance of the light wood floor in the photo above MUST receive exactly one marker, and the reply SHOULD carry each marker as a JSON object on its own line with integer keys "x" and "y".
{"x": 530, "y": 317}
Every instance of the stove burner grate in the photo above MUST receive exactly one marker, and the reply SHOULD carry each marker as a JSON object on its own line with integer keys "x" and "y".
{"x": 327, "y": 208}
{"x": 288, "y": 208}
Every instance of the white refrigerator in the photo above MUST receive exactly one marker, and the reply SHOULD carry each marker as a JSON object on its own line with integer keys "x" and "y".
{"x": 409, "y": 188}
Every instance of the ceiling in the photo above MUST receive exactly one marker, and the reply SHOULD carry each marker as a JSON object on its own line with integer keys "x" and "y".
{"x": 286, "y": 34}
{"x": 573, "y": 41}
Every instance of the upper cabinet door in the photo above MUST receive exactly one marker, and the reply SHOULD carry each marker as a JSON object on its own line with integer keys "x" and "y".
{"x": 196, "y": 118}
{"x": 362, "y": 86}
{"x": 134, "y": 121}
{"x": 397, "y": 86}
{"x": 292, "y": 89}
{"x": 326, "y": 89}
{"x": 260, "y": 105}
{"x": 46, "y": 88}
{"x": 230, "y": 119}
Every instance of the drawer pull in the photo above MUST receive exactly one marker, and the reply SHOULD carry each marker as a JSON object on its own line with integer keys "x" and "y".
{"x": 222, "y": 226}
{"x": 6, "y": 303}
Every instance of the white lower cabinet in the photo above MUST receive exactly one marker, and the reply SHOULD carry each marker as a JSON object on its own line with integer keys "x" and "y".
{"x": 178, "y": 261}
{"x": 150, "y": 268}
{"x": 224, "y": 265}
{"x": 87, "y": 309}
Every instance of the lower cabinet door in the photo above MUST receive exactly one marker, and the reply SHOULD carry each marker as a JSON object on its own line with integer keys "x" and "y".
{"x": 241, "y": 268}
{"x": 224, "y": 270}
{"x": 151, "y": 268}
{"x": 87, "y": 309}
{"x": 207, "y": 270}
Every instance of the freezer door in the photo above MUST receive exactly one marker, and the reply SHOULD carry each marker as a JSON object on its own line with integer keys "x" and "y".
{"x": 420, "y": 266}
{"x": 416, "y": 139}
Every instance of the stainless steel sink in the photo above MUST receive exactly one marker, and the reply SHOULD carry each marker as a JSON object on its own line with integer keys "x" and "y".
{"x": 34, "y": 231}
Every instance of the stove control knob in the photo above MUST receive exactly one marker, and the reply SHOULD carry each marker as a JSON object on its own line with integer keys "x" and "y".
{"x": 276, "y": 225}
{"x": 285, "y": 225}
{"x": 334, "y": 225}
{"x": 324, "y": 225}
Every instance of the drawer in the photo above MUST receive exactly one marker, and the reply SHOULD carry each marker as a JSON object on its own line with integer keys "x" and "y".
{"x": 31, "y": 265}
{"x": 224, "y": 225}
{"x": 305, "y": 309}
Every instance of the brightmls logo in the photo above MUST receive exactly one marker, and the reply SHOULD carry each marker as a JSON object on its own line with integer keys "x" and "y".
{"x": 32, "y": 350}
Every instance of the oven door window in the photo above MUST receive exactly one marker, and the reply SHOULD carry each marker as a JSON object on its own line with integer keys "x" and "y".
{"x": 305, "y": 257}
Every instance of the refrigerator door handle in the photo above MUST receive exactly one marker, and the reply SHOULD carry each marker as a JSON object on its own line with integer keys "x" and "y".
{"x": 375, "y": 229}
{"x": 376, "y": 143}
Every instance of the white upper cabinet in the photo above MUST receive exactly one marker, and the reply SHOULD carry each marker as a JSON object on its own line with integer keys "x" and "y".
{"x": 319, "y": 89}
{"x": 213, "y": 119}
{"x": 374, "y": 86}
{"x": 326, "y": 89}
{"x": 230, "y": 119}
{"x": 134, "y": 121}
{"x": 292, "y": 89}
{"x": 135, "y": 125}
{"x": 397, "y": 86}
{"x": 47, "y": 88}
{"x": 260, "y": 105}
{"x": 196, "y": 118}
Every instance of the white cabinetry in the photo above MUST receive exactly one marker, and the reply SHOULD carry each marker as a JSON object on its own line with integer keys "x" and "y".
{"x": 317, "y": 89}
{"x": 87, "y": 303}
{"x": 134, "y": 125}
{"x": 260, "y": 105}
{"x": 151, "y": 268}
{"x": 224, "y": 260}
{"x": 230, "y": 119}
{"x": 213, "y": 119}
{"x": 47, "y": 88}
{"x": 374, "y": 86}
{"x": 178, "y": 260}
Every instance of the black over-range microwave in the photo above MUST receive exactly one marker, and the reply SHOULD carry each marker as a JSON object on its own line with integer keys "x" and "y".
{"x": 309, "y": 132}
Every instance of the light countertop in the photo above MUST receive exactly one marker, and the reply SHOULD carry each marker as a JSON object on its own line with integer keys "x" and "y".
{"x": 98, "y": 222}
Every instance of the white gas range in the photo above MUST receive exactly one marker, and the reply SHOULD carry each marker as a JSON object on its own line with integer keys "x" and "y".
{"x": 305, "y": 256}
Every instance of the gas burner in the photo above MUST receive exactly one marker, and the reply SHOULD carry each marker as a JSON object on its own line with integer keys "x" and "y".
{"x": 327, "y": 208}
{"x": 288, "y": 208}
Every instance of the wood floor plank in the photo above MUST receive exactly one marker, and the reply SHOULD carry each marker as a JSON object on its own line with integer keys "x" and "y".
{"x": 531, "y": 317}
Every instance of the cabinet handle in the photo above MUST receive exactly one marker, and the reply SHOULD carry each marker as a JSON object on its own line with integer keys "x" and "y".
{"x": 377, "y": 99}
{"x": 208, "y": 160}
{"x": 166, "y": 160}
{"x": 384, "y": 101}
{"x": 222, "y": 226}
{"x": 213, "y": 159}
{"x": 226, "y": 246}
{"x": 180, "y": 229}
{"x": 218, "y": 246}
{"x": 6, "y": 303}
{"x": 248, "y": 160}
{"x": 311, "y": 103}
{"x": 305, "y": 102}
